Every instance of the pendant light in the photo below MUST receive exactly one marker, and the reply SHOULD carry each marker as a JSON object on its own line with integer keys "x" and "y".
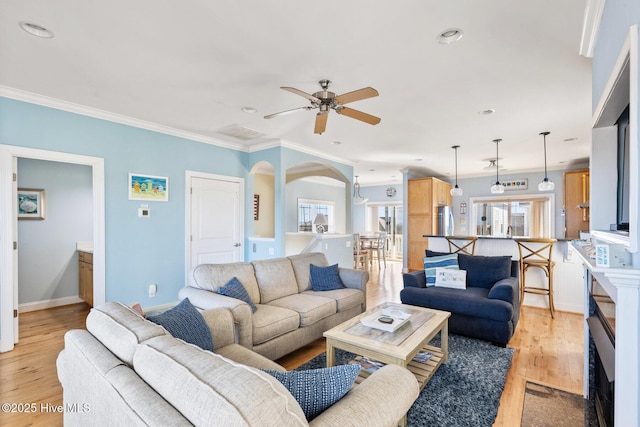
{"x": 456, "y": 191}
{"x": 497, "y": 188}
{"x": 357, "y": 198}
{"x": 545, "y": 185}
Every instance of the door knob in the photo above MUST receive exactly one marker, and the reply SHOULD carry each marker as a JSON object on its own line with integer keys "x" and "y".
{"x": 237, "y": 245}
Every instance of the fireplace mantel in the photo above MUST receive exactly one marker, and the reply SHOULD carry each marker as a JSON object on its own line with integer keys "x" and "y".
{"x": 623, "y": 285}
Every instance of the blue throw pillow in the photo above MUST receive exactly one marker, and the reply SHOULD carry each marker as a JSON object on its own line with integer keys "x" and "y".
{"x": 325, "y": 278}
{"x": 317, "y": 389}
{"x": 184, "y": 321}
{"x": 430, "y": 254}
{"x": 484, "y": 271}
{"x": 444, "y": 261}
{"x": 234, "y": 289}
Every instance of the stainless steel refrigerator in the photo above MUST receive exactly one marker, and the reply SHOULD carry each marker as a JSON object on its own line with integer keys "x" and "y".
{"x": 445, "y": 221}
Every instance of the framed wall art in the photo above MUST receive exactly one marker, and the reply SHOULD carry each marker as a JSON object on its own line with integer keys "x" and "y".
{"x": 30, "y": 203}
{"x": 148, "y": 187}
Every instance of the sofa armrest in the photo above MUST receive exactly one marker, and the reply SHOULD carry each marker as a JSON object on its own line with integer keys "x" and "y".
{"x": 221, "y": 323}
{"x": 379, "y": 401}
{"x": 242, "y": 316}
{"x": 356, "y": 279}
{"x": 415, "y": 279}
{"x": 505, "y": 290}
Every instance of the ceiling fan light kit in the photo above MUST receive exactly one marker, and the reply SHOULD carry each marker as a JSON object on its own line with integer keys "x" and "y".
{"x": 497, "y": 188}
{"x": 325, "y": 101}
{"x": 546, "y": 184}
{"x": 456, "y": 191}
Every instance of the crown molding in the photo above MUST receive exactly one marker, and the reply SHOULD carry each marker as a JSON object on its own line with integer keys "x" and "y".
{"x": 58, "y": 104}
{"x": 592, "y": 18}
{"x": 297, "y": 147}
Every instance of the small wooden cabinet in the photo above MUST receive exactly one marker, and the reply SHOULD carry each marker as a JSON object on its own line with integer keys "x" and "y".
{"x": 424, "y": 195}
{"x": 85, "y": 265}
{"x": 576, "y": 203}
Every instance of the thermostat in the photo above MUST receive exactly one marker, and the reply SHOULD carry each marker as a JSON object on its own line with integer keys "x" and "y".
{"x": 144, "y": 211}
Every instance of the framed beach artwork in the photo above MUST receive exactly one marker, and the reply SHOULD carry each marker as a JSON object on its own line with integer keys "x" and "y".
{"x": 148, "y": 187}
{"x": 30, "y": 203}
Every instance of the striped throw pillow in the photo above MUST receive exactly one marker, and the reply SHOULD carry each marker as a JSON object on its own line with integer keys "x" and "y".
{"x": 444, "y": 261}
{"x": 317, "y": 389}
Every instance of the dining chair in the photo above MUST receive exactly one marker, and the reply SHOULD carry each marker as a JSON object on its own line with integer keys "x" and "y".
{"x": 360, "y": 256}
{"x": 379, "y": 249}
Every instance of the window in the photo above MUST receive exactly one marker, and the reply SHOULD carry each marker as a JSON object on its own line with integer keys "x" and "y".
{"x": 308, "y": 209}
{"x": 521, "y": 216}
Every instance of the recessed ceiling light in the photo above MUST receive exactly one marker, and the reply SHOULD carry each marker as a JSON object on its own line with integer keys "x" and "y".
{"x": 487, "y": 112}
{"x": 249, "y": 110}
{"x": 336, "y": 142}
{"x": 418, "y": 160}
{"x": 570, "y": 139}
{"x": 450, "y": 35}
{"x": 36, "y": 30}
{"x": 372, "y": 170}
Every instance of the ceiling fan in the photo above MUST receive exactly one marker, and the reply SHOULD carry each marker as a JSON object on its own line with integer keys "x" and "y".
{"x": 326, "y": 101}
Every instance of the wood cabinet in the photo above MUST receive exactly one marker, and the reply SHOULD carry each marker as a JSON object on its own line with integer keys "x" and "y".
{"x": 576, "y": 203}
{"x": 85, "y": 265}
{"x": 424, "y": 195}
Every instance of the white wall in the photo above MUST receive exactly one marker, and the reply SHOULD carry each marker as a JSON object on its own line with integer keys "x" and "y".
{"x": 47, "y": 257}
{"x": 312, "y": 190}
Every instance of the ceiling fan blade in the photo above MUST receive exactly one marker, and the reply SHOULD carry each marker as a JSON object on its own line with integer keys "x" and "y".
{"x": 284, "y": 113}
{"x": 358, "y": 115}
{"x": 321, "y": 122}
{"x": 356, "y": 95}
{"x": 301, "y": 93}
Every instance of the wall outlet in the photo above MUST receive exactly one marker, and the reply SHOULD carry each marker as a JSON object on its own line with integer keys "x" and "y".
{"x": 153, "y": 288}
{"x": 271, "y": 251}
{"x": 348, "y": 243}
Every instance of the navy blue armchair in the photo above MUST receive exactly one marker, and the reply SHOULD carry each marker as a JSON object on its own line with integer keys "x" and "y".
{"x": 489, "y": 307}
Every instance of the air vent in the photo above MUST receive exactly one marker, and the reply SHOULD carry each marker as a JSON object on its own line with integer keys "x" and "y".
{"x": 240, "y": 132}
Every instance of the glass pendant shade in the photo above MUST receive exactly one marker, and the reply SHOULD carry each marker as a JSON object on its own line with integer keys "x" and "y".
{"x": 497, "y": 188}
{"x": 357, "y": 198}
{"x": 456, "y": 191}
{"x": 545, "y": 185}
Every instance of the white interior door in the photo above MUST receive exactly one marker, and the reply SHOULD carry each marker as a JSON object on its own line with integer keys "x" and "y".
{"x": 216, "y": 220}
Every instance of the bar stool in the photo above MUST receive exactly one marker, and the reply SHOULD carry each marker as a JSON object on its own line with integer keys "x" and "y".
{"x": 464, "y": 244}
{"x": 537, "y": 253}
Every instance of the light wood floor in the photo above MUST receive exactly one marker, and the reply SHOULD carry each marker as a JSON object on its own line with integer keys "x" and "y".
{"x": 547, "y": 351}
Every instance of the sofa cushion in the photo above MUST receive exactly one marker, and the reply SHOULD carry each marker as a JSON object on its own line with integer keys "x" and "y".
{"x": 209, "y": 389}
{"x": 270, "y": 322}
{"x": 234, "y": 289}
{"x": 325, "y": 278}
{"x": 184, "y": 321}
{"x": 472, "y": 301}
{"x": 275, "y": 278}
{"x": 121, "y": 329}
{"x": 443, "y": 261}
{"x": 210, "y": 277}
{"x": 484, "y": 271}
{"x": 311, "y": 308}
{"x": 317, "y": 389}
{"x": 345, "y": 298}
{"x": 301, "y": 263}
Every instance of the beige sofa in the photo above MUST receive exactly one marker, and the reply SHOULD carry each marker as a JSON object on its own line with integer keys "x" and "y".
{"x": 125, "y": 370}
{"x": 290, "y": 314}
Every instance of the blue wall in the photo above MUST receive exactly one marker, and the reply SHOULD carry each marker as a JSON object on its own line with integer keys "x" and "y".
{"x": 138, "y": 251}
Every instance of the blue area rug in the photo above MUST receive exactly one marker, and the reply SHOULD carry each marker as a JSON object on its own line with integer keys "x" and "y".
{"x": 464, "y": 392}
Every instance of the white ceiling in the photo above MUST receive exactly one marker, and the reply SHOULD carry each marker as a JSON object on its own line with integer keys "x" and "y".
{"x": 193, "y": 64}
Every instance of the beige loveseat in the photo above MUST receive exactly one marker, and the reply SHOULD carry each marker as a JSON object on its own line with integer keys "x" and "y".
{"x": 290, "y": 314}
{"x": 127, "y": 371}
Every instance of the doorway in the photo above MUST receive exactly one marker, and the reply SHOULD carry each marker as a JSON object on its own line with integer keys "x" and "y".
{"x": 8, "y": 231}
{"x": 215, "y": 219}
{"x": 387, "y": 218}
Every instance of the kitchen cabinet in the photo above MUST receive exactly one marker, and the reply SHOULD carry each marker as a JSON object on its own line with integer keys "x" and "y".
{"x": 424, "y": 195}
{"x": 576, "y": 203}
{"x": 85, "y": 285}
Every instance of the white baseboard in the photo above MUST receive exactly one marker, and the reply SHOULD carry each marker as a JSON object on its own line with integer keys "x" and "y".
{"x": 41, "y": 305}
